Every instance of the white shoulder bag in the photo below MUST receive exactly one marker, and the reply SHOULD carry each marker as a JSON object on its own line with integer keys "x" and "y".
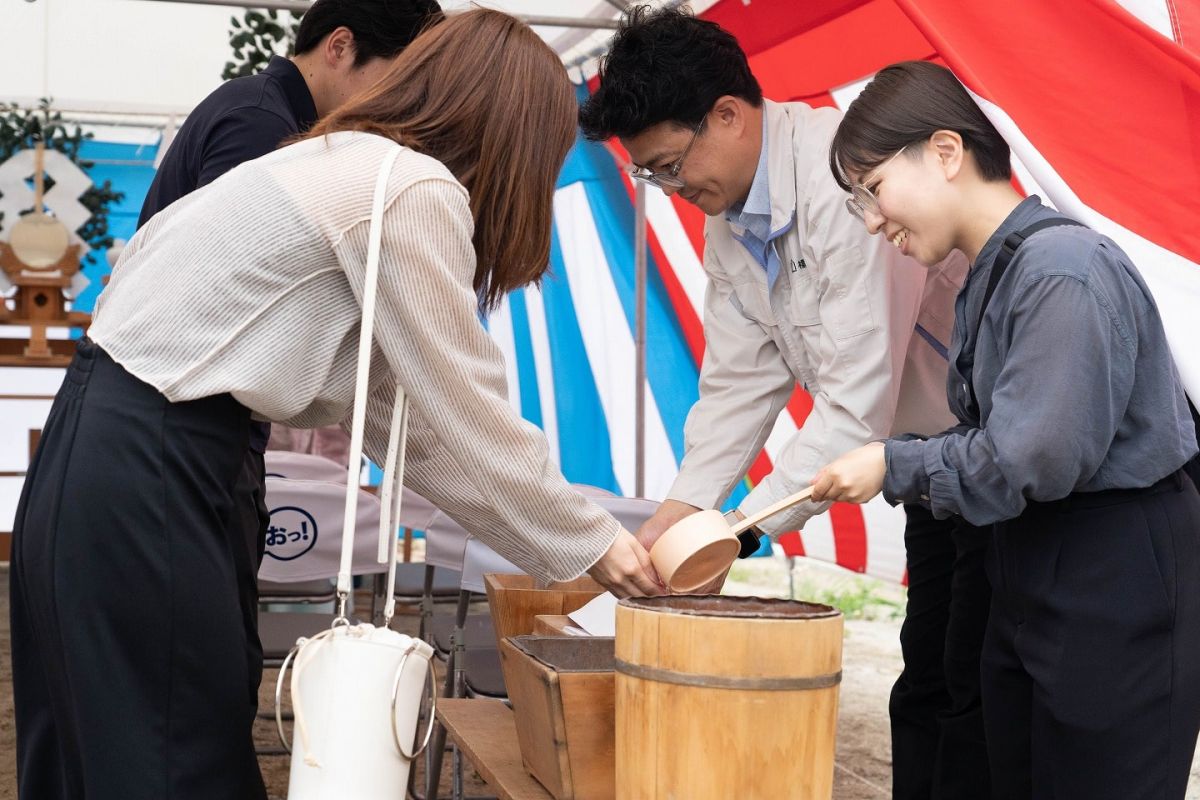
{"x": 356, "y": 688}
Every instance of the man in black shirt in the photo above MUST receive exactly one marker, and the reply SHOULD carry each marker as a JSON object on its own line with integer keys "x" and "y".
{"x": 342, "y": 47}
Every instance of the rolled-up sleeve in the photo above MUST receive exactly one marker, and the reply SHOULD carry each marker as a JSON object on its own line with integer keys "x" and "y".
{"x": 1056, "y": 404}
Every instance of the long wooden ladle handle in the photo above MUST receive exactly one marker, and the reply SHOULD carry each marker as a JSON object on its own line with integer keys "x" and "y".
{"x": 771, "y": 510}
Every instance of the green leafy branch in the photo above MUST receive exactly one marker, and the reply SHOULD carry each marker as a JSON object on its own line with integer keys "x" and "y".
{"x": 256, "y": 37}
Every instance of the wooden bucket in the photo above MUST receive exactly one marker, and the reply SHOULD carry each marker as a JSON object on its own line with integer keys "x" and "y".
{"x": 721, "y": 697}
{"x": 515, "y": 600}
{"x": 561, "y": 688}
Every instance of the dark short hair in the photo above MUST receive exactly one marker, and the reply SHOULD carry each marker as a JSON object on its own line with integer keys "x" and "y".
{"x": 381, "y": 28}
{"x": 665, "y": 65}
{"x": 904, "y": 104}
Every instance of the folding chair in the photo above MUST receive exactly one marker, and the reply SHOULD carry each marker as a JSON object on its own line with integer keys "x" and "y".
{"x": 419, "y": 584}
{"x": 469, "y": 642}
{"x": 302, "y": 553}
{"x": 303, "y": 466}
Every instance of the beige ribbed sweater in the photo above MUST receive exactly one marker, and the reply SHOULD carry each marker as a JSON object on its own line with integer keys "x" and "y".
{"x": 252, "y": 286}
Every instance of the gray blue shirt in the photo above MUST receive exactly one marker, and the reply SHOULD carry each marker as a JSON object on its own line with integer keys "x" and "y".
{"x": 753, "y": 216}
{"x": 1076, "y": 387}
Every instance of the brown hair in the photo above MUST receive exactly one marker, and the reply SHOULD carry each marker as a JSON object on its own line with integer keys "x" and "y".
{"x": 484, "y": 95}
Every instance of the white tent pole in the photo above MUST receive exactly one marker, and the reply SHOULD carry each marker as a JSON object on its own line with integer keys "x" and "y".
{"x": 45, "y": 49}
{"x": 168, "y": 136}
{"x": 639, "y": 264}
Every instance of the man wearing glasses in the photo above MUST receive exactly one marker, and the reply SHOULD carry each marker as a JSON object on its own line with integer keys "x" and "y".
{"x": 800, "y": 293}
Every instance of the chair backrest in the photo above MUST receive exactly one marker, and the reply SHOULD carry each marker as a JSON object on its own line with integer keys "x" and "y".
{"x": 415, "y": 511}
{"x": 303, "y": 466}
{"x": 478, "y": 560}
{"x": 445, "y": 542}
{"x": 631, "y": 512}
{"x": 304, "y": 537}
{"x": 448, "y": 545}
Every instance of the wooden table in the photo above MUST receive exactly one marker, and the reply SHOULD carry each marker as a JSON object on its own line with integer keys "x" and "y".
{"x": 487, "y": 735}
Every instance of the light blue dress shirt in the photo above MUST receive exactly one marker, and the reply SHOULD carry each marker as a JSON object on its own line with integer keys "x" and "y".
{"x": 754, "y": 217}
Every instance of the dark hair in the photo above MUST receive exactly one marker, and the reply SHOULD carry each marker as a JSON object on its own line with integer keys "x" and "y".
{"x": 907, "y": 103}
{"x": 501, "y": 118}
{"x": 381, "y": 28}
{"x": 665, "y": 64}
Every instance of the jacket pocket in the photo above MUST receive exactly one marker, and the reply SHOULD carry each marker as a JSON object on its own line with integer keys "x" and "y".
{"x": 848, "y": 311}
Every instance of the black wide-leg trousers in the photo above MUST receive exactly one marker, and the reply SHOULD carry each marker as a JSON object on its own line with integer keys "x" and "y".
{"x": 135, "y": 654}
{"x": 938, "y": 745}
{"x": 1091, "y": 664}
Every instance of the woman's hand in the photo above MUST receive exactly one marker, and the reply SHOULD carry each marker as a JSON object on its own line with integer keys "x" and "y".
{"x": 854, "y": 478}
{"x": 625, "y": 569}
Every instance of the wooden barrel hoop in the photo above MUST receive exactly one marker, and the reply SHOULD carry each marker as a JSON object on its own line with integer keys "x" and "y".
{"x": 726, "y": 682}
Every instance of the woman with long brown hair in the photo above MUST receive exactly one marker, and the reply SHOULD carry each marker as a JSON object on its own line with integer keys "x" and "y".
{"x": 132, "y": 597}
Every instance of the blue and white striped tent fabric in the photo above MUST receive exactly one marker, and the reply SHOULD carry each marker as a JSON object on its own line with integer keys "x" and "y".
{"x": 569, "y": 343}
{"x": 130, "y": 168}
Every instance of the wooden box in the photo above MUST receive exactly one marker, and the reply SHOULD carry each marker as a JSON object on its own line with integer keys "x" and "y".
{"x": 516, "y": 599}
{"x": 562, "y": 690}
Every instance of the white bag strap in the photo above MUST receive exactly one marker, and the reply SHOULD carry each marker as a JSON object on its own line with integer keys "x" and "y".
{"x": 391, "y": 480}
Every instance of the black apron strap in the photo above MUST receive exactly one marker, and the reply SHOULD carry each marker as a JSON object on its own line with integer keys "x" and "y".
{"x": 1012, "y": 243}
{"x": 1008, "y": 249}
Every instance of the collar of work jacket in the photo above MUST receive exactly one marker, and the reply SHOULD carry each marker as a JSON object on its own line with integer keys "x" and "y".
{"x": 779, "y": 133}
{"x": 801, "y": 198}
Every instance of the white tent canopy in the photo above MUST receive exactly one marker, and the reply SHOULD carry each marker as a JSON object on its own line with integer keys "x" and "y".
{"x": 146, "y": 57}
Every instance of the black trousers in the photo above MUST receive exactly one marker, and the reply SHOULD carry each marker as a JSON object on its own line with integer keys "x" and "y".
{"x": 1091, "y": 665}
{"x": 135, "y": 658}
{"x": 1192, "y": 468}
{"x": 938, "y": 744}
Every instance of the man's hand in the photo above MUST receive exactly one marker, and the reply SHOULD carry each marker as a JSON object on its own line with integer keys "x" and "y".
{"x": 854, "y": 478}
{"x": 625, "y": 569}
{"x": 670, "y": 512}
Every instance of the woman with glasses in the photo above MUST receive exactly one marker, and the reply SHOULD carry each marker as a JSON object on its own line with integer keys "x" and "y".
{"x": 129, "y": 646}
{"x": 1073, "y": 428}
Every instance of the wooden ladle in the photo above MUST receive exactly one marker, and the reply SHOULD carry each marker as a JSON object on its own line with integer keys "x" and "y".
{"x": 699, "y": 548}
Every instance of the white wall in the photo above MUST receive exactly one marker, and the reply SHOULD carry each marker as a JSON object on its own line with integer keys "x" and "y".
{"x": 112, "y": 54}
{"x": 17, "y": 417}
